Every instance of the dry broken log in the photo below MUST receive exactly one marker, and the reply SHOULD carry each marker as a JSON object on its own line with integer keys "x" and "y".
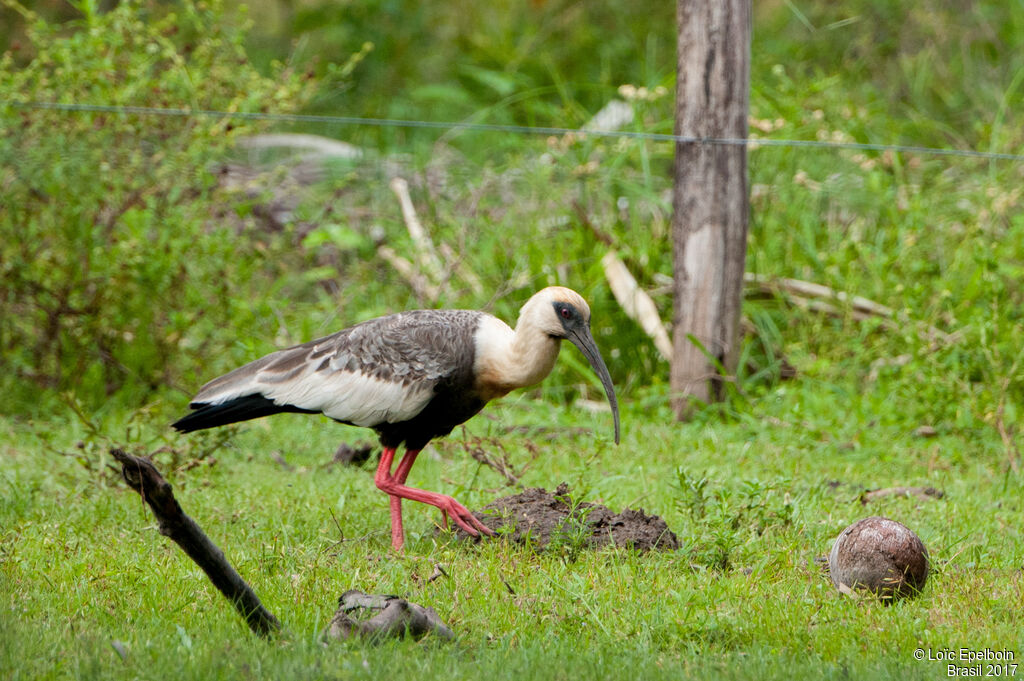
{"x": 420, "y": 283}
{"x": 426, "y": 253}
{"x": 314, "y": 146}
{"x": 396, "y": 617}
{"x": 143, "y": 477}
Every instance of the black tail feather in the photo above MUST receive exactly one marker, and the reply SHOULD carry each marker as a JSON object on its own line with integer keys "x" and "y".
{"x": 232, "y": 411}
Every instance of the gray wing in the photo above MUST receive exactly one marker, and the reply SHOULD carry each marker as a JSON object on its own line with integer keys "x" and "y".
{"x": 381, "y": 371}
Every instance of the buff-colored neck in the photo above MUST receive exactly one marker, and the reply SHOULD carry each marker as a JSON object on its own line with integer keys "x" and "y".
{"x": 533, "y": 351}
{"x": 508, "y": 359}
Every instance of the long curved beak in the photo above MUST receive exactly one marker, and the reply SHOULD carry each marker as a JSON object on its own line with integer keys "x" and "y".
{"x": 582, "y": 338}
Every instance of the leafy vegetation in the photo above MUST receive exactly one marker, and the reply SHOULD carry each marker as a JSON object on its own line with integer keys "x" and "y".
{"x": 116, "y": 254}
{"x": 134, "y": 264}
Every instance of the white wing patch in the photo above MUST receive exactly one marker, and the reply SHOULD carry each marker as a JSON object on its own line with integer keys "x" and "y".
{"x": 343, "y": 395}
{"x": 384, "y": 370}
{"x": 351, "y": 397}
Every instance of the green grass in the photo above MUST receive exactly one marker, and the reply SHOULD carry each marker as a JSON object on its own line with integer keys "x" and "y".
{"x": 756, "y": 488}
{"x": 82, "y": 564}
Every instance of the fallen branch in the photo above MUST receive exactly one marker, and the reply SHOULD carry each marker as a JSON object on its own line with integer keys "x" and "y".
{"x": 811, "y": 296}
{"x": 828, "y": 309}
{"x": 919, "y": 492}
{"x": 398, "y": 617}
{"x": 430, "y": 276}
{"x": 421, "y": 286}
{"x": 637, "y": 305}
{"x": 809, "y": 289}
{"x": 426, "y": 253}
{"x": 315, "y": 144}
{"x": 143, "y": 477}
{"x": 640, "y": 306}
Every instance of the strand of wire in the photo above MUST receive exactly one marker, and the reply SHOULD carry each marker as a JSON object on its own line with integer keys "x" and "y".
{"x": 752, "y": 144}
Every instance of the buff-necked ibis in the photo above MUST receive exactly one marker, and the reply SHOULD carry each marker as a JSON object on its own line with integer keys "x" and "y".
{"x": 411, "y": 376}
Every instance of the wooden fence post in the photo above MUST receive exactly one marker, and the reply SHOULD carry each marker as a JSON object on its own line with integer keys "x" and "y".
{"x": 711, "y": 204}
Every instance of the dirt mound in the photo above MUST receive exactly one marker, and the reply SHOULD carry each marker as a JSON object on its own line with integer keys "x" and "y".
{"x": 541, "y": 517}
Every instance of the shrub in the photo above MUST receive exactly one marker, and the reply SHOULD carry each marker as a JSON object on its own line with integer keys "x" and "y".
{"x": 112, "y": 267}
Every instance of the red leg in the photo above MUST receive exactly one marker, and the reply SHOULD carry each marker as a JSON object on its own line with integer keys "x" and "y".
{"x": 397, "y": 531}
{"x": 402, "y": 472}
{"x": 394, "y": 486}
{"x": 381, "y": 478}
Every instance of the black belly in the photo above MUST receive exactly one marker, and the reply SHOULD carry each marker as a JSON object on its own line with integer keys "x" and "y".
{"x": 449, "y": 407}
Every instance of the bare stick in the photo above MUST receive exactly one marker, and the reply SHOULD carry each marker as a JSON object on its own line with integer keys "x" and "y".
{"x": 810, "y": 289}
{"x": 143, "y": 477}
{"x": 317, "y": 145}
{"x": 800, "y": 291}
{"x": 429, "y": 261}
{"x": 637, "y": 305}
{"x": 421, "y": 285}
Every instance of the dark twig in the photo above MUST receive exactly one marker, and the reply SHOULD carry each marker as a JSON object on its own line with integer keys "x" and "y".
{"x": 919, "y": 492}
{"x": 602, "y": 236}
{"x": 437, "y": 573}
{"x": 474, "y": 446}
{"x": 143, "y": 477}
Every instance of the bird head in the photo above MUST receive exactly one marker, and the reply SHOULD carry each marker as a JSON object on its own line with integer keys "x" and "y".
{"x": 562, "y": 313}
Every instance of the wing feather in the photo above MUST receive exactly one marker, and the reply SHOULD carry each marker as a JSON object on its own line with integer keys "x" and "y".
{"x": 381, "y": 371}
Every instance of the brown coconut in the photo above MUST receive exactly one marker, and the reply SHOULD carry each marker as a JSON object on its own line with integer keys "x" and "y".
{"x": 880, "y": 556}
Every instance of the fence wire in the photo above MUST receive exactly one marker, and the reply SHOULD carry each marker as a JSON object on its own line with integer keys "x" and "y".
{"x": 751, "y": 143}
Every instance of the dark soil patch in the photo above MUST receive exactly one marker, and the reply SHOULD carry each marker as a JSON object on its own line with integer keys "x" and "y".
{"x": 543, "y": 517}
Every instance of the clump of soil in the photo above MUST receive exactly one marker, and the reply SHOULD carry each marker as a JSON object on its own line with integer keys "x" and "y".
{"x": 541, "y": 517}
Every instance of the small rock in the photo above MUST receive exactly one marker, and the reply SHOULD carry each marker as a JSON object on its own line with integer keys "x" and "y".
{"x": 880, "y": 556}
{"x": 926, "y": 431}
{"x": 395, "y": 618}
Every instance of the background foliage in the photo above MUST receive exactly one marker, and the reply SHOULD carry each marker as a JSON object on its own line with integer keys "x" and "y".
{"x": 119, "y": 269}
{"x": 141, "y": 255}
{"x": 158, "y": 266}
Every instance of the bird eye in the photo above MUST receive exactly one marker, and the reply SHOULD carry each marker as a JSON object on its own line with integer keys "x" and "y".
{"x": 565, "y": 313}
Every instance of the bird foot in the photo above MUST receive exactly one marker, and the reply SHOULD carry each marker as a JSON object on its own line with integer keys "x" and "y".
{"x": 395, "y": 487}
{"x": 462, "y": 517}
